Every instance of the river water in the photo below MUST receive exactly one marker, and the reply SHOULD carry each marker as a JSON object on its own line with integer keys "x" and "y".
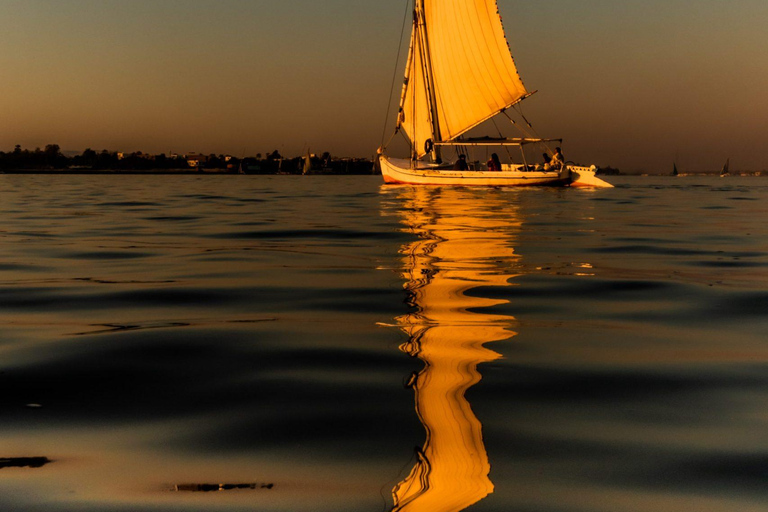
{"x": 331, "y": 344}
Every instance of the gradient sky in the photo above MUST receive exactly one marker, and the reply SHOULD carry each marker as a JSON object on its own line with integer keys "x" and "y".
{"x": 632, "y": 83}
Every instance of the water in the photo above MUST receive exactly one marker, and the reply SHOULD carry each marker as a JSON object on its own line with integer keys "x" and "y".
{"x": 329, "y": 344}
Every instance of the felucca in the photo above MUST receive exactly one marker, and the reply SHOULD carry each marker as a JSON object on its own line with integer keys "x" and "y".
{"x": 459, "y": 74}
{"x": 726, "y": 171}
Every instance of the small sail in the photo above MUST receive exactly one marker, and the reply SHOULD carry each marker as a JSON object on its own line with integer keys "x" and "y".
{"x": 674, "y": 169}
{"x": 415, "y": 119}
{"x": 726, "y": 168}
{"x": 472, "y": 70}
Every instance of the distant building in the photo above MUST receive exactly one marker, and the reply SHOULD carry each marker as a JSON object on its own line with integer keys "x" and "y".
{"x": 137, "y": 154}
{"x": 145, "y": 156}
{"x": 194, "y": 160}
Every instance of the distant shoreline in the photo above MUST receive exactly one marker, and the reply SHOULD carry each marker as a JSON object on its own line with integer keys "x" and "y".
{"x": 52, "y": 160}
{"x": 171, "y": 172}
{"x": 119, "y": 171}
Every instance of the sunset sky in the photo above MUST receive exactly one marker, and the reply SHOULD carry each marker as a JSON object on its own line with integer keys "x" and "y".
{"x": 632, "y": 83}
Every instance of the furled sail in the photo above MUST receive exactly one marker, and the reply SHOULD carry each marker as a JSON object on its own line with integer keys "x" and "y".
{"x": 460, "y": 47}
{"x": 415, "y": 117}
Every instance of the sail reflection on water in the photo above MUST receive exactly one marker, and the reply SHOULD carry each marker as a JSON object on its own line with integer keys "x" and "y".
{"x": 465, "y": 241}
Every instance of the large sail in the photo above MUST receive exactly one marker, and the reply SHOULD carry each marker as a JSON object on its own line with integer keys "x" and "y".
{"x": 472, "y": 70}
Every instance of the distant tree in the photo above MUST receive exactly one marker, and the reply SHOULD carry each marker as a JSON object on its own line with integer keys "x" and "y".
{"x": 180, "y": 162}
{"x": 53, "y": 156}
{"x": 214, "y": 162}
{"x": 88, "y": 157}
{"x": 106, "y": 160}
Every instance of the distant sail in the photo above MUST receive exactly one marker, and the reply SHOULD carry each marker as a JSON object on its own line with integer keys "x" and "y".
{"x": 307, "y": 167}
{"x": 726, "y": 168}
{"x": 674, "y": 169}
{"x": 466, "y": 52}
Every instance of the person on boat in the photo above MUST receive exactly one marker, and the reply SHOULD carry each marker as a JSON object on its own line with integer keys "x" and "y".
{"x": 557, "y": 159}
{"x": 547, "y": 163}
{"x": 494, "y": 164}
{"x": 461, "y": 164}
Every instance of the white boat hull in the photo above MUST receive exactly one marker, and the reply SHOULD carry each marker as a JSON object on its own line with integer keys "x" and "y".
{"x": 400, "y": 171}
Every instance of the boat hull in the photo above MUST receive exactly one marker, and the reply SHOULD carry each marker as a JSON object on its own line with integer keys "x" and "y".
{"x": 400, "y": 171}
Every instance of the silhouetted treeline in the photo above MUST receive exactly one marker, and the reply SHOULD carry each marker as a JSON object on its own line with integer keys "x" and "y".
{"x": 607, "y": 171}
{"x": 48, "y": 158}
{"x": 51, "y": 159}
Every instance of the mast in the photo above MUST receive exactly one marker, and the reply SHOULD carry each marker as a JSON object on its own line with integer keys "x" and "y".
{"x": 407, "y": 84}
{"x": 726, "y": 168}
{"x": 426, "y": 59}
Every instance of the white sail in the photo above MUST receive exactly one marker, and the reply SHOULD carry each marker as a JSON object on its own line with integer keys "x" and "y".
{"x": 467, "y": 56}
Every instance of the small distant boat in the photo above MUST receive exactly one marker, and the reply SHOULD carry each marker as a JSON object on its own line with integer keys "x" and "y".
{"x": 312, "y": 164}
{"x": 726, "y": 169}
{"x": 459, "y": 74}
{"x": 674, "y": 170}
{"x": 307, "y": 166}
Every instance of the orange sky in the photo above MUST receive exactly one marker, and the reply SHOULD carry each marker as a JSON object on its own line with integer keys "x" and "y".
{"x": 632, "y": 84}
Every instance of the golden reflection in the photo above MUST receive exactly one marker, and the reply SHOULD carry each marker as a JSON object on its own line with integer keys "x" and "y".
{"x": 465, "y": 241}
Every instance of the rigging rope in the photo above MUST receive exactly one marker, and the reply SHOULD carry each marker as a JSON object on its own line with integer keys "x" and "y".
{"x": 501, "y": 136}
{"x": 394, "y": 75}
{"x": 532, "y": 134}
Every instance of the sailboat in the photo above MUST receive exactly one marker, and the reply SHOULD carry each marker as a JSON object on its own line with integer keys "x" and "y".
{"x": 726, "y": 169}
{"x": 307, "y": 164}
{"x": 459, "y": 74}
{"x": 674, "y": 170}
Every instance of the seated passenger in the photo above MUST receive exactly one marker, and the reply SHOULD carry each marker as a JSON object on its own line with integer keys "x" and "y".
{"x": 557, "y": 159}
{"x": 461, "y": 164}
{"x": 494, "y": 164}
{"x": 547, "y": 165}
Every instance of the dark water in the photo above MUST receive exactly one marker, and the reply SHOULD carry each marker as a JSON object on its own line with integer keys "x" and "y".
{"x": 329, "y": 344}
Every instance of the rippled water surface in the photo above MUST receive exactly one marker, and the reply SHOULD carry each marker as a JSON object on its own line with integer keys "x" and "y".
{"x": 330, "y": 344}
